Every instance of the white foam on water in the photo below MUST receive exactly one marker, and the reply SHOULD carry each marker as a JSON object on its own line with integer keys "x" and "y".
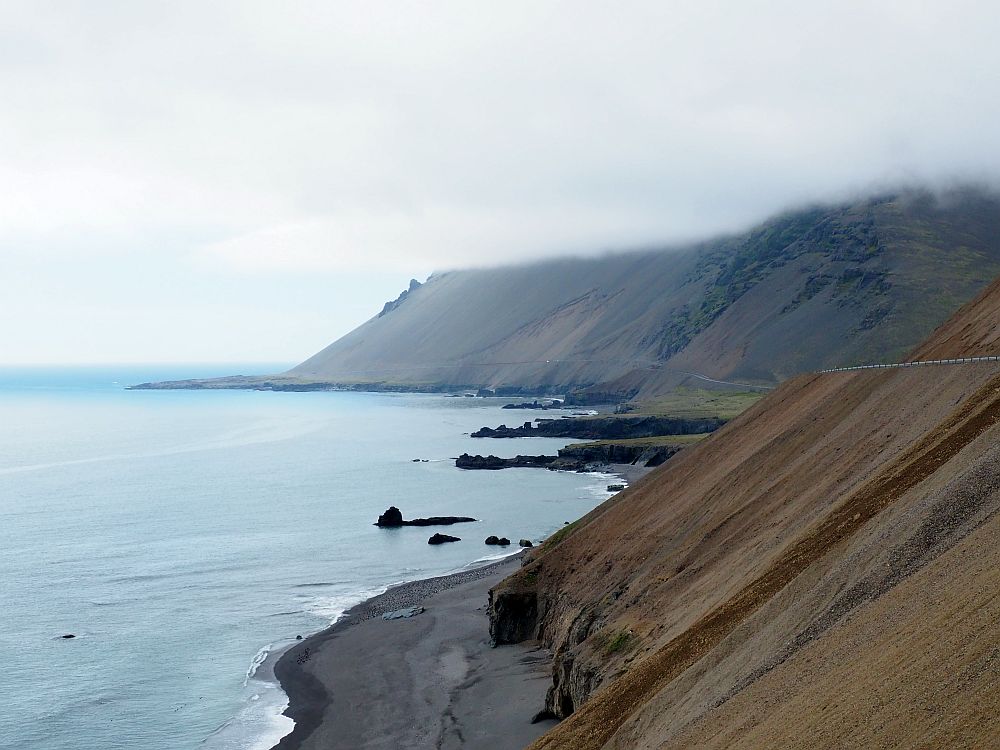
{"x": 480, "y": 561}
{"x": 259, "y": 658}
{"x": 599, "y": 489}
{"x": 332, "y": 608}
{"x": 260, "y": 723}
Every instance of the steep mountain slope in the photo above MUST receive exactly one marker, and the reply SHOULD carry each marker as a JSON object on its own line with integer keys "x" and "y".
{"x": 822, "y": 572}
{"x": 814, "y": 288}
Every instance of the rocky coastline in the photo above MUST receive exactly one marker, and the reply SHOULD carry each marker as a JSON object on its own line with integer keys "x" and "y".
{"x": 536, "y": 404}
{"x": 604, "y": 428}
{"x": 494, "y": 463}
{"x": 579, "y": 458}
{"x": 313, "y": 686}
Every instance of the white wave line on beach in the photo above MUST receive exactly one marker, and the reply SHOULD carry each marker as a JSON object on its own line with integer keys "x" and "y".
{"x": 259, "y": 658}
{"x": 481, "y": 561}
{"x": 259, "y": 725}
{"x": 332, "y": 608}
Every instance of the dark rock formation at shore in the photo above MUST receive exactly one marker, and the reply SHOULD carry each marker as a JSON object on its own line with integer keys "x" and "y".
{"x": 500, "y": 541}
{"x": 393, "y": 518}
{"x": 582, "y": 457}
{"x": 492, "y": 463}
{"x": 513, "y": 609}
{"x": 614, "y": 453}
{"x": 605, "y": 428}
{"x": 442, "y": 539}
{"x": 536, "y": 404}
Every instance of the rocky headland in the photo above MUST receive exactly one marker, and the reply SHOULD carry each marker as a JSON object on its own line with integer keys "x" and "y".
{"x": 536, "y": 404}
{"x": 581, "y": 457}
{"x": 605, "y": 428}
{"x": 493, "y": 463}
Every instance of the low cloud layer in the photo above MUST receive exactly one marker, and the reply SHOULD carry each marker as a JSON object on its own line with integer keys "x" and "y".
{"x": 304, "y": 137}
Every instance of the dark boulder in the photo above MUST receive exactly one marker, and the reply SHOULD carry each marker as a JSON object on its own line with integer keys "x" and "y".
{"x": 492, "y": 539}
{"x": 525, "y": 543}
{"x": 442, "y": 538}
{"x": 504, "y": 541}
{"x": 391, "y": 518}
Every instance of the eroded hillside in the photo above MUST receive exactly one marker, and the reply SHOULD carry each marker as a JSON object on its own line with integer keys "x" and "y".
{"x": 821, "y": 572}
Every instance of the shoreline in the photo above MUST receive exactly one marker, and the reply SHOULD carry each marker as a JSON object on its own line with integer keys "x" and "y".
{"x": 307, "y": 682}
{"x": 308, "y": 695}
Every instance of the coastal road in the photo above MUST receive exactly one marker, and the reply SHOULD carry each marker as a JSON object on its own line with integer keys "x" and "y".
{"x": 921, "y": 363}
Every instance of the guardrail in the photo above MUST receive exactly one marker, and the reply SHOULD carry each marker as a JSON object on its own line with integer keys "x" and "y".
{"x": 921, "y": 363}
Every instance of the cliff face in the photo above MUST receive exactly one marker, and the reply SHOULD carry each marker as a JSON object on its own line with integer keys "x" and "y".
{"x": 816, "y": 288}
{"x": 822, "y": 570}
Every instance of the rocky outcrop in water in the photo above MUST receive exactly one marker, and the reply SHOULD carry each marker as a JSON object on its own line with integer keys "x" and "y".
{"x": 536, "y": 404}
{"x": 501, "y": 541}
{"x": 442, "y": 539}
{"x": 393, "y": 518}
{"x": 493, "y": 463}
{"x": 605, "y": 428}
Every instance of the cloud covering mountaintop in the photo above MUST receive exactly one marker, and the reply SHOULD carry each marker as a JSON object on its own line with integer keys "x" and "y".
{"x": 374, "y": 140}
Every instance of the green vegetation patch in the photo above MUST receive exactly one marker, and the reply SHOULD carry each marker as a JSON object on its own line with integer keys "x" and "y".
{"x": 615, "y": 643}
{"x": 697, "y": 403}
{"x": 618, "y": 643}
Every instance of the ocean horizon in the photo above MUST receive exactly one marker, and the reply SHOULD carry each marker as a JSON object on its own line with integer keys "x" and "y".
{"x": 183, "y": 536}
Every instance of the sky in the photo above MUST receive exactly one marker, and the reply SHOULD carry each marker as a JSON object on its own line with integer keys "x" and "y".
{"x": 247, "y": 181}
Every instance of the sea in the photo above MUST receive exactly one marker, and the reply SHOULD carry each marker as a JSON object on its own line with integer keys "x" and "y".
{"x": 183, "y": 536}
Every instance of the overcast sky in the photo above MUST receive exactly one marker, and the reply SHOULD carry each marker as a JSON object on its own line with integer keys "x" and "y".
{"x": 214, "y": 181}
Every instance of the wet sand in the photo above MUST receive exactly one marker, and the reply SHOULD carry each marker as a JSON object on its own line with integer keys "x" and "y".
{"x": 429, "y": 681}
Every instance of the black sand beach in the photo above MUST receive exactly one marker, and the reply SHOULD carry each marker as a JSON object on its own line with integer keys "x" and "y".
{"x": 429, "y": 681}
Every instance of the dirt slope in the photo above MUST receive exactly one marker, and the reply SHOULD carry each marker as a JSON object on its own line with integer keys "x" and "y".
{"x": 819, "y": 573}
{"x": 819, "y": 287}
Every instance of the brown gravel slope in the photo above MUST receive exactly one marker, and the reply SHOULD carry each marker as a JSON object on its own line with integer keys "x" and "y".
{"x": 816, "y": 574}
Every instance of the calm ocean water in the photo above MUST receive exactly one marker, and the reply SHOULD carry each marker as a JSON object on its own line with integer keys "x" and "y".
{"x": 181, "y": 535}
